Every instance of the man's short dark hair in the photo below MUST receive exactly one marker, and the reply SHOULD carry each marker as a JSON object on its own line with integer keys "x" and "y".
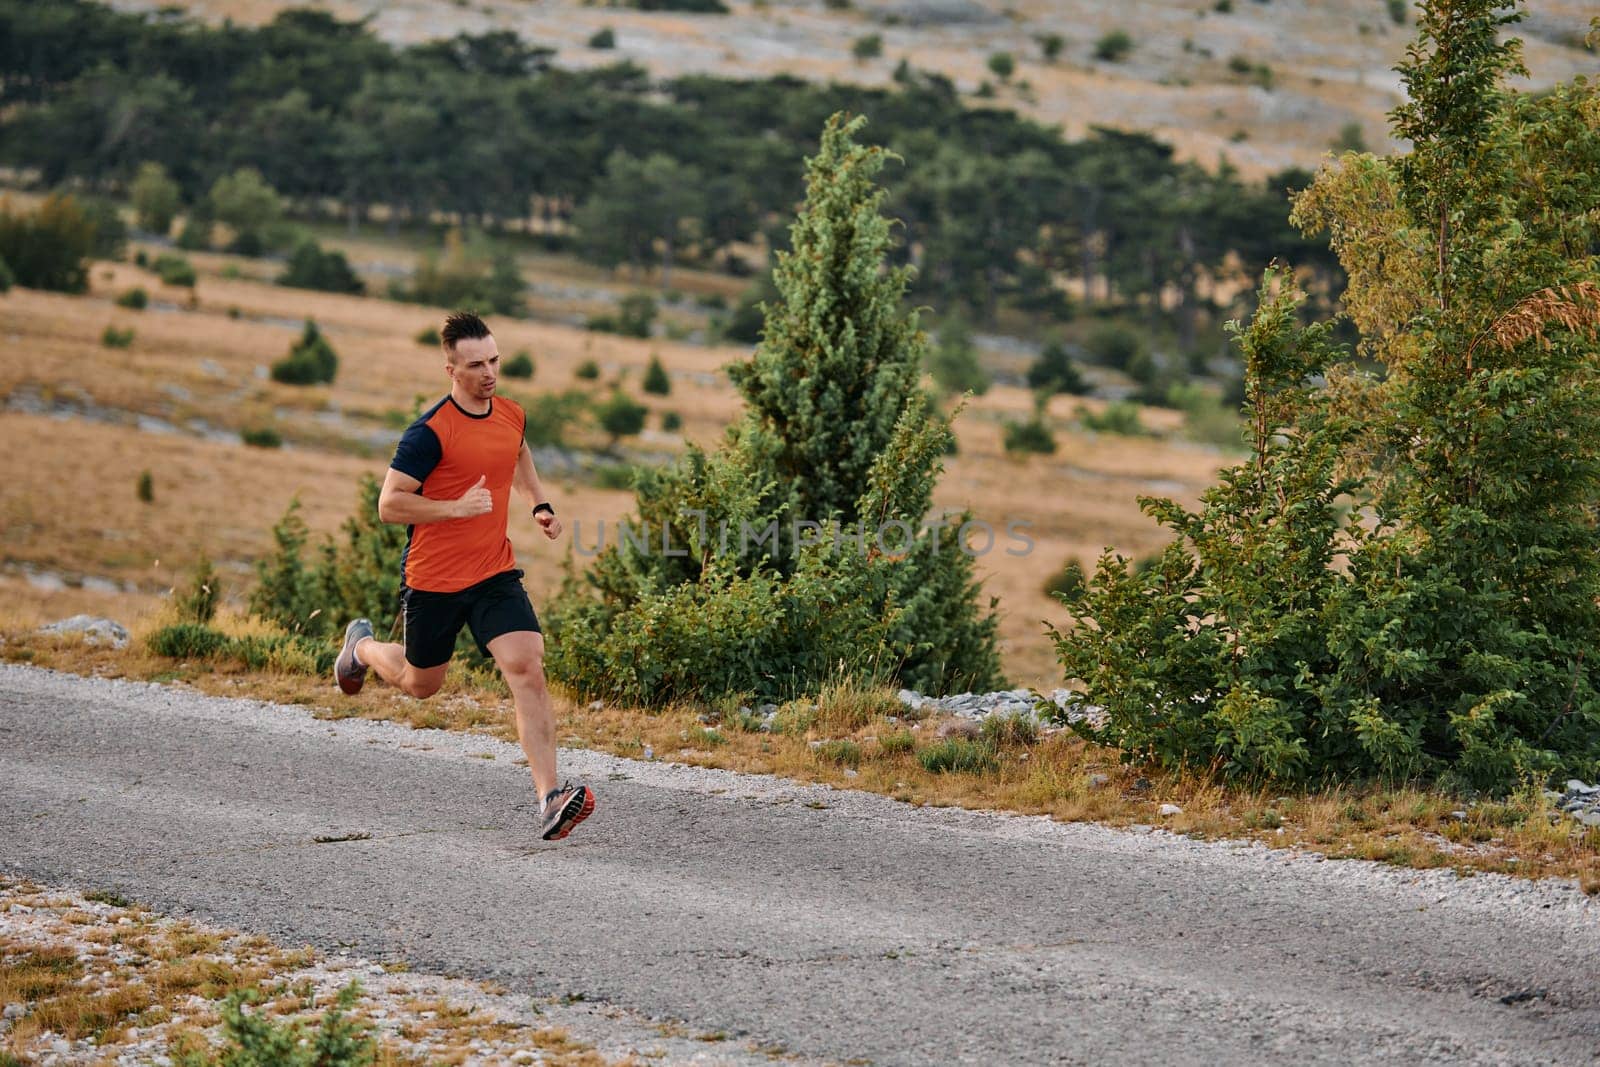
{"x": 462, "y": 326}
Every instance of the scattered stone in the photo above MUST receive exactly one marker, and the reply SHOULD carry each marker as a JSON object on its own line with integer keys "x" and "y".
{"x": 1577, "y": 787}
{"x": 95, "y": 631}
{"x": 1459, "y": 816}
{"x": 1098, "y": 781}
{"x": 596, "y": 705}
{"x": 1169, "y": 809}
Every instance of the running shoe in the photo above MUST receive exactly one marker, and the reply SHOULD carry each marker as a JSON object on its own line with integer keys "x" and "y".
{"x": 348, "y": 671}
{"x": 565, "y": 807}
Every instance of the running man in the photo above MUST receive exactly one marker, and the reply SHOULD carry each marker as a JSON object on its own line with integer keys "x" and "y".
{"x": 450, "y": 482}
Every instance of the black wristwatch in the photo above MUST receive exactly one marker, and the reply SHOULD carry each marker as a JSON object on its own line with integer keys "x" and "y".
{"x": 544, "y": 505}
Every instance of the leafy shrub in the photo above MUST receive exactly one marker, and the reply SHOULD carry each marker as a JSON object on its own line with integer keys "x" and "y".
{"x": 957, "y": 756}
{"x": 621, "y": 416}
{"x": 868, "y": 47}
{"x": 49, "y": 247}
{"x": 1068, "y": 583}
{"x": 549, "y": 418}
{"x": 468, "y": 272}
{"x": 1114, "y": 46}
{"x": 356, "y": 575}
{"x": 256, "y": 1039}
{"x": 520, "y": 365}
{"x": 188, "y": 640}
{"x": 635, "y": 317}
{"x": 671, "y": 422}
{"x": 428, "y": 336}
{"x": 156, "y": 199}
{"x": 844, "y": 753}
{"x": 603, "y": 38}
{"x": 7, "y": 278}
{"x": 135, "y": 299}
{"x": 145, "y": 489}
{"x": 110, "y": 232}
{"x": 588, "y": 370}
{"x": 261, "y": 437}
{"x": 1032, "y": 436}
{"x": 1002, "y": 65}
{"x": 953, "y": 361}
{"x": 1055, "y": 371}
{"x": 1121, "y": 417}
{"x": 112, "y": 337}
{"x": 174, "y": 270}
{"x": 311, "y": 360}
{"x": 1050, "y": 46}
{"x": 251, "y": 208}
{"x": 1398, "y": 10}
{"x": 197, "y": 601}
{"x": 1114, "y": 345}
{"x": 196, "y": 233}
{"x": 655, "y": 378}
{"x": 326, "y": 270}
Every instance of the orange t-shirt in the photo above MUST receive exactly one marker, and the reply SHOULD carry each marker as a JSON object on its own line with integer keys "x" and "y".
{"x": 447, "y": 450}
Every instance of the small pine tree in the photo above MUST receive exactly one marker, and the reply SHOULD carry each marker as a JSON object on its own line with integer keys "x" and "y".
{"x": 311, "y": 360}
{"x": 197, "y": 601}
{"x": 520, "y": 365}
{"x": 146, "y": 488}
{"x": 656, "y": 381}
{"x": 621, "y": 416}
{"x": 1055, "y": 371}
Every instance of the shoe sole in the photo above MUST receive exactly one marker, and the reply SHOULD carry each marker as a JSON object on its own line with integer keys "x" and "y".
{"x": 350, "y": 682}
{"x": 567, "y": 822}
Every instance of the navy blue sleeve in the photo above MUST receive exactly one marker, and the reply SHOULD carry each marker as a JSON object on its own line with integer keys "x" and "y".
{"x": 418, "y": 453}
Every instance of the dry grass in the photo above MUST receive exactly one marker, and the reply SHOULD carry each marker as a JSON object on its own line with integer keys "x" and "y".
{"x": 98, "y": 975}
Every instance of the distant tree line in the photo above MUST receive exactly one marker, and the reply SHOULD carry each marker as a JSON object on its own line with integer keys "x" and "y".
{"x": 484, "y": 132}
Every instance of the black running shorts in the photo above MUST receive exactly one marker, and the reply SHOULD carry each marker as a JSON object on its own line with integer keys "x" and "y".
{"x": 495, "y": 606}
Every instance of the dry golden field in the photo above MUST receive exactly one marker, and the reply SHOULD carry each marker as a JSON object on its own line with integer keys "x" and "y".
{"x": 80, "y": 421}
{"x": 1331, "y": 60}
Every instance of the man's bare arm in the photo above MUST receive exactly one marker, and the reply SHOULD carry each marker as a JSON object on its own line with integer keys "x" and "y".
{"x": 399, "y": 502}
{"x": 526, "y": 482}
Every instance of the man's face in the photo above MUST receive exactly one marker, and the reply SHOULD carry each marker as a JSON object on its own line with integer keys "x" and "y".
{"x": 475, "y": 366}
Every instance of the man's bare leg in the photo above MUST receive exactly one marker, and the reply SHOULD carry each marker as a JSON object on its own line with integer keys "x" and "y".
{"x": 520, "y": 657}
{"x": 388, "y": 659}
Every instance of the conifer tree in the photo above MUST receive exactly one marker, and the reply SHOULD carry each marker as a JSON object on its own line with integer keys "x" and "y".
{"x": 836, "y": 433}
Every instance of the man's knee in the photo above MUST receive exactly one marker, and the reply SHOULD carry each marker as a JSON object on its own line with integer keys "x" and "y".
{"x": 421, "y": 686}
{"x": 523, "y": 668}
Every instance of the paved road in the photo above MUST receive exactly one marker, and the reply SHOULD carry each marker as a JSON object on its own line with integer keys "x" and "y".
{"x": 863, "y": 929}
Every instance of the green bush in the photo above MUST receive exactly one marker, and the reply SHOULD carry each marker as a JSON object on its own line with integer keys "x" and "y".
{"x": 196, "y": 233}
{"x": 48, "y": 248}
{"x": 110, "y": 232}
{"x": 549, "y": 418}
{"x": 261, "y": 437}
{"x": 1033, "y": 436}
{"x": 7, "y": 278}
{"x": 156, "y": 199}
{"x": 145, "y": 489}
{"x": 1398, "y": 10}
{"x": 1050, "y": 46}
{"x": 469, "y": 271}
{"x": 671, "y": 422}
{"x": 603, "y": 38}
{"x": 311, "y": 360}
{"x": 189, "y": 640}
{"x": 953, "y": 360}
{"x": 174, "y": 270}
{"x": 1067, "y": 584}
{"x": 135, "y": 299}
{"x": 958, "y": 756}
{"x": 1114, "y": 46}
{"x": 587, "y": 369}
{"x": 1003, "y": 65}
{"x": 650, "y": 626}
{"x": 1114, "y": 345}
{"x": 520, "y": 365}
{"x": 429, "y": 337}
{"x": 197, "y": 601}
{"x": 112, "y": 337}
{"x": 656, "y": 381}
{"x": 326, "y": 270}
{"x": 256, "y": 1039}
{"x": 1055, "y": 371}
{"x": 356, "y": 575}
{"x": 1121, "y": 417}
{"x": 621, "y": 416}
{"x": 635, "y": 317}
{"x": 868, "y": 47}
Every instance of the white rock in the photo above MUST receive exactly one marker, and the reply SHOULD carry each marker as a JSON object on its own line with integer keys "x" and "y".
{"x": 1169, "y": 809}
{"x": 95, "y": 630}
